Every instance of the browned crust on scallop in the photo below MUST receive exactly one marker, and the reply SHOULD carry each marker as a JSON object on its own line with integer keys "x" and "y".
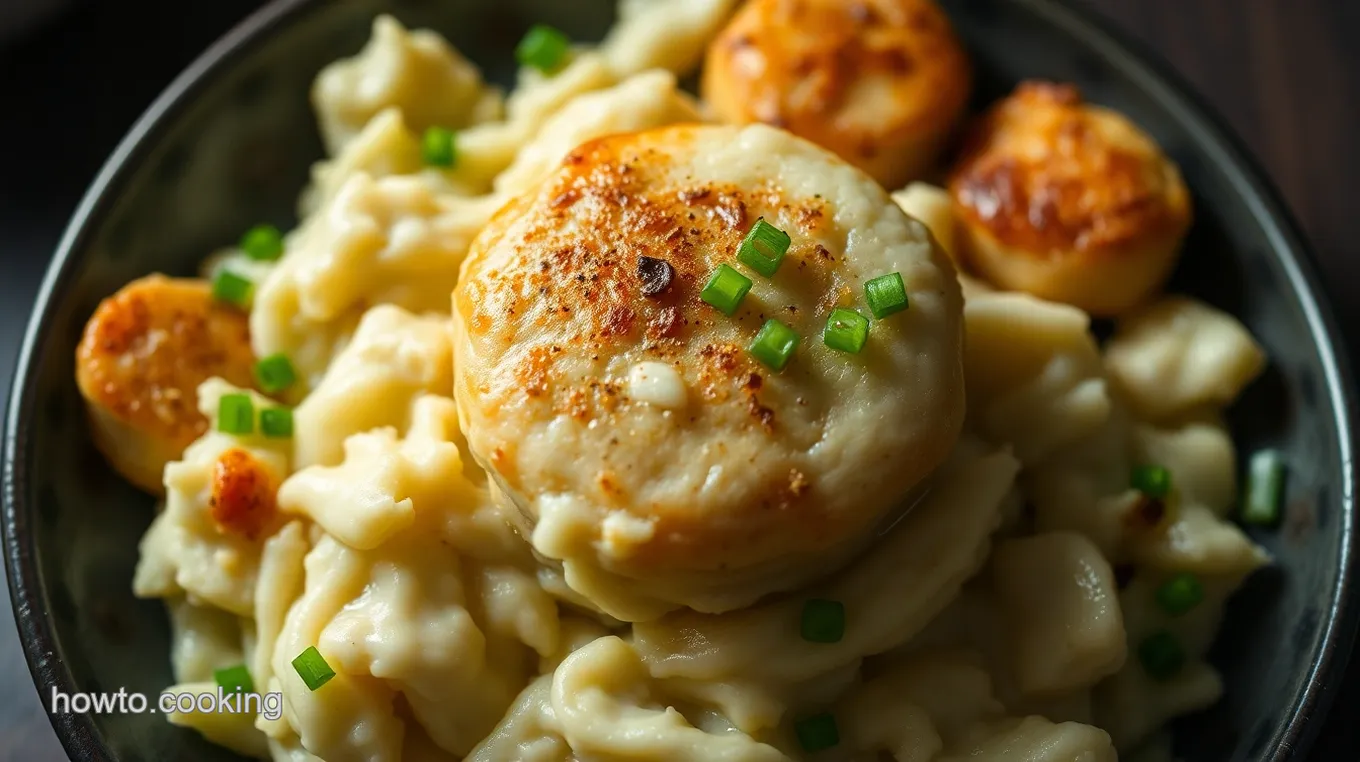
{"x": 143, "y": 355}
{"x": 863, "y": 78}
{"x": 1072, "y": 189}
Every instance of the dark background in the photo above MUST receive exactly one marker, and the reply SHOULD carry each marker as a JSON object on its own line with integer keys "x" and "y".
{"x": 1284, "y": 73}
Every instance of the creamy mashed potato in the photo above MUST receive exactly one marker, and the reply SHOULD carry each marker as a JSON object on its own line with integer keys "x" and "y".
{"x": 505, "y": 472}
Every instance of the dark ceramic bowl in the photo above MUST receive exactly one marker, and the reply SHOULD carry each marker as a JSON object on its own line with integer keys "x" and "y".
{"x": 229, "y": 144}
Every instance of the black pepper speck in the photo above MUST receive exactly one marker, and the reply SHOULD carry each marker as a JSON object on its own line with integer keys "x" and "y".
{"x": 656, "y": 275}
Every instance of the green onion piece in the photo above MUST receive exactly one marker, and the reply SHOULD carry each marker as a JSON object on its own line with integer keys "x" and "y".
{"x": 543, "y": 48}
{"x": 235, "y": 414}
{"x": 263, "y": 243}
{"x": 774, "y": 344}
{"x": 887, "y": 295}
{"x": 1180, "y": 594}
{"x": 726, "y": 289}
{"x": 275, "y": 373}
{"x": 276, "y": 422}
{"x": 1265, "y": 489}
{"x": 1161, "y": 655}
{"x": 1153, "y": 481}
{"x": 817, "y": 733}
{"x": 311, "y": 666}
{"x": 764, "y": 248}
{"x": 823, "y": 621}
{"x": 233, "y": 289}
{"x": 439, "y": 147}
{"x": 846, "y": 331}
{"x": 234, "y": 679}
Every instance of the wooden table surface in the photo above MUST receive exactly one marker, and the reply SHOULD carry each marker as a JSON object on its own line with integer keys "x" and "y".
{"x": 1285, "y": 74}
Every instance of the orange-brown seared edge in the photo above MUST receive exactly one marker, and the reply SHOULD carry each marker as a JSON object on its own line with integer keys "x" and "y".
{"x": 144, "y": 353}
{"x": 1067, "y": 201}
{"x": 879, "y": 82}
{"x": 244, "y": 499}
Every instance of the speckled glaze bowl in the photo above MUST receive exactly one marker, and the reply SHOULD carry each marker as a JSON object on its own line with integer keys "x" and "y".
{"x": 230, "y": 142}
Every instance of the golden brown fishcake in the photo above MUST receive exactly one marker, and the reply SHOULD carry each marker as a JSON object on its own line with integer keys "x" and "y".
{"x": 144, "y": 353}
{"x": 879, "y": 82}
{"x": 1068, "y": 201}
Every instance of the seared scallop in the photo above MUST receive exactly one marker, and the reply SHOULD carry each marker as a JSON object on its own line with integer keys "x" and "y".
{"x": 626, "y": 419}
{"x": 1069, "y": 202}
{"x": 144, "y": 353}
{"x": 880, "y": 82}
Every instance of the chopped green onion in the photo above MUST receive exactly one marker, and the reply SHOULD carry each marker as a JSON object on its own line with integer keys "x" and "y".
{"x": 233, "y": 289}
{"x": 311, "y": 666}
{"x": 1265, "y": 489}
{"x": 846, "y": 331}
{"x": 764, "y": 248}
{"x": 263, "y": 243}
{"x": 887, "y": 294}
{"x": 276, "y": 422}
{"x": 543, "y": 48}
{"x": 726, "y": 289}
{"x": 234, "y": 679}
{"x": 275, "y": 373}
{"x": 235, "y": 414}
{"x": 1180, "y": 594}
{"x": 1161, "y": 655}
{"x": 774, "y": 344}
{"x": 439, "y": 147}
{"x": 1153, "y": 481}
{"x": 817, "y": 733}
{"x": 823, "y": 621}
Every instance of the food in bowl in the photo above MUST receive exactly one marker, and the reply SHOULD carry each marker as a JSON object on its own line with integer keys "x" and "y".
{"x": 591, "y": 422}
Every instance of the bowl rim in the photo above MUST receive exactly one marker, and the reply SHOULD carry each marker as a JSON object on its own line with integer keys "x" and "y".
{"x": 1290, "y": 247}
{"x": 79, "y": 736}
{"x": 77, "y": 732}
